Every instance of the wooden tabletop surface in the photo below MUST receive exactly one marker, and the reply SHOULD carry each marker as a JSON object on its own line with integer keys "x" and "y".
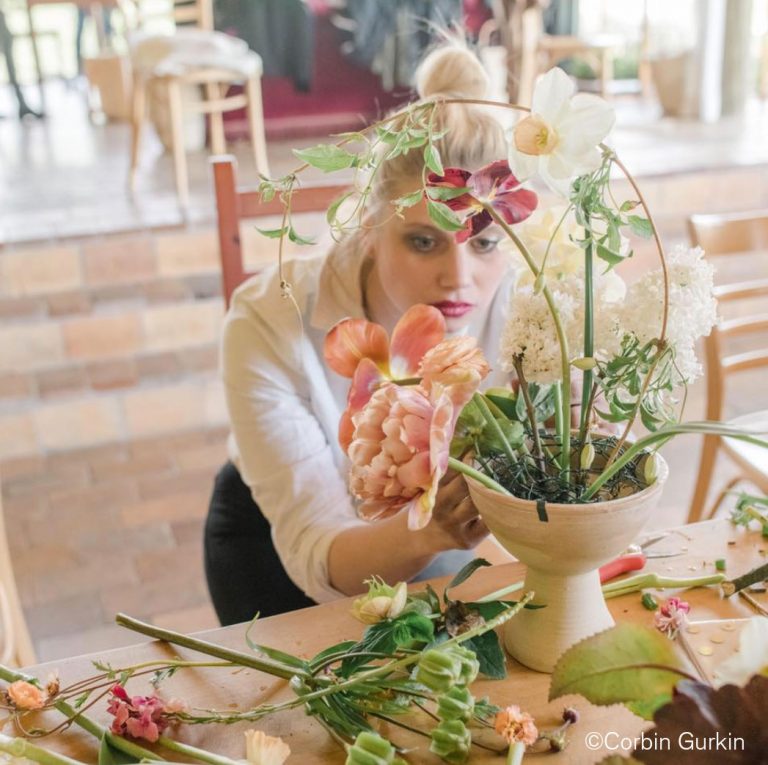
{"x": 308, "y": 631}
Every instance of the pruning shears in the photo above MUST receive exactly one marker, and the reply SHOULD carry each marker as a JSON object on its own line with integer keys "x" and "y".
{"x": 633, "y": 559}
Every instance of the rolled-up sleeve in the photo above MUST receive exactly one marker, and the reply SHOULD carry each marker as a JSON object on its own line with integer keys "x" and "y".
{"x": 283, "y": 453}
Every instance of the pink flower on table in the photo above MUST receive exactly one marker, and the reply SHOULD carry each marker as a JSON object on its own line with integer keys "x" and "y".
{"x": 516, "y": 726}
{"x": 492, "y": 185}
{"x": 139, "y": 716}
{"x": 458, "y": 365}
{"x": 672, "y": 617}
{"x": 399, "y": 451}
{"x": 361, "y": 349}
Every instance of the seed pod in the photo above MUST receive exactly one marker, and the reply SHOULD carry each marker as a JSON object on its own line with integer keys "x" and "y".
{"x": 456, "y": 704}
{"x": 451, "y": 741}
{"x": 370, "y": 749}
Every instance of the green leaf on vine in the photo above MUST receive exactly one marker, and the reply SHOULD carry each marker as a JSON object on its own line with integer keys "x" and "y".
{"x": 409, "y": 200}
{"x": 444, "y": 217}
{"x": 326, "y": 157}
{"x": 432, "y": 159}
{"x": 444, "y": 193}
{"x": 640, "y": 226}
{"x": 297, "y": 239}
{"x": 273, "y": 233}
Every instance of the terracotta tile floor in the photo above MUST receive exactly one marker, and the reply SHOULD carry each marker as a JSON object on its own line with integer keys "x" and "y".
{"x": 110, "y": 529}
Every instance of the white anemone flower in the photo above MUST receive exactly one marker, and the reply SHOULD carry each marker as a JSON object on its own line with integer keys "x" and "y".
{"x": 261, "y": 749}
{"x": 752, "y": 658}
{"x": 559, "y": 138}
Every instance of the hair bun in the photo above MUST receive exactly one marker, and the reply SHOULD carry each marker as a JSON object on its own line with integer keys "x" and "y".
{"x": 452, "y": 70}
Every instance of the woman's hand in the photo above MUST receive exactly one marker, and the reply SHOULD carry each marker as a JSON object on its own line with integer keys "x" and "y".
{"x": 455, "y": 523}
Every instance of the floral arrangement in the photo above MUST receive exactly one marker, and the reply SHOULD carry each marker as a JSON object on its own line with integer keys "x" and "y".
{"x": 414, "y": 408}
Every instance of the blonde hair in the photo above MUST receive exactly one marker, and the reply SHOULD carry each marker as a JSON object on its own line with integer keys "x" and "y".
{"x": 473, "y": 134}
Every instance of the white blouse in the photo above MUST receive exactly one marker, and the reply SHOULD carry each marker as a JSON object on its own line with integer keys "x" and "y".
{"x": 285, "y": 405}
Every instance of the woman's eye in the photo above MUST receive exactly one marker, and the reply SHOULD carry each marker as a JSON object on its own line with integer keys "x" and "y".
{"x": 422, "y": 243}
{"x": 483, "y": 245}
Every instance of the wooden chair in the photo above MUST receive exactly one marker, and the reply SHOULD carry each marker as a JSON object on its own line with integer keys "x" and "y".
{"x": 215, "y": 82}
{"x": 720, "y": 236}
{"x": 15, "y": 644}
{"x": 234, "y": 204}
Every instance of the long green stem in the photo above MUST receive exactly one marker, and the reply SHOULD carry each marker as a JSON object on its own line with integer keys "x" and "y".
{"x": 198, "y": 754}
{"x": 559, "y": 419}
{"x": 565, "y": 364}
{"x": 479, "y": 401}
{"x": 263, "y": 664}
{"x": 589, "y": 339}
{"x": 461, "y": 467}
{"x": 10, "y": 676}
{"x": 516, "y": 753}
{"x": 645, "y": 581}
{"x": 20, "y": 747}
{"x": 531, "y": 409}
{"x": 662, "y": 435}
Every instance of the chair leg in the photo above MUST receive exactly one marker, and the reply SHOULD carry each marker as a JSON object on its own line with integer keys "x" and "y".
{"x": 706, "y": 466}
{"x": 256, "y": 124}
{"x": 138, "y": 107}
{"x": 177, "y": 140}
{"x": 218, "y": 141}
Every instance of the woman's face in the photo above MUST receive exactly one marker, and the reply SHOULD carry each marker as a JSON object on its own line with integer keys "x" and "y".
{"x": 414, "y": 261}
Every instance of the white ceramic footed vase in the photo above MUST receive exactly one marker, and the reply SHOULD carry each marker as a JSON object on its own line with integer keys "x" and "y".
{"x": 563, "y": 556}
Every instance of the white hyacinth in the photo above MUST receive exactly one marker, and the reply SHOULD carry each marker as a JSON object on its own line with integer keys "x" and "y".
{"x": 530, "y": 329}
{"x": 692, "y": 307}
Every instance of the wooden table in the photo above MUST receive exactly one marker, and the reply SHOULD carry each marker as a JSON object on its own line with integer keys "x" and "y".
{"x": 308, "y": 631}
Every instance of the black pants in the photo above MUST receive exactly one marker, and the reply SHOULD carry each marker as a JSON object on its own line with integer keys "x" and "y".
{"x": 244, "y": 572}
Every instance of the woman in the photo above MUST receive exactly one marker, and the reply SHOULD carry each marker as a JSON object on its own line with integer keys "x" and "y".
{"x": 282, "y": 532}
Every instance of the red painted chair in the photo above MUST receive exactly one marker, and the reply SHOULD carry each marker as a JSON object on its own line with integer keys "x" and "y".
{"x": 234, "y": 204}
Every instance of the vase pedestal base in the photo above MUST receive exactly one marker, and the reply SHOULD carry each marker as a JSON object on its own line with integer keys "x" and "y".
{"x": 573, "y": 609}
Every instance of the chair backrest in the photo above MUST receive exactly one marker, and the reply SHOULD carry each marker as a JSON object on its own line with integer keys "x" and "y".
{"x": 15, "y": 644}
{"x": 721, "y": 235}
{"x": 197, "y": 12}
{"x": 234, "y": 204}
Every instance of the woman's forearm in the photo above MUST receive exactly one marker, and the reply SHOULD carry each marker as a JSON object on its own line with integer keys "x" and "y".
{"x": 385, "y": 548}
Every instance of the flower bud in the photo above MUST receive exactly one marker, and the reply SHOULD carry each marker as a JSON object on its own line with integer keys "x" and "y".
{"x": 648, "y": 469}
{"x": 587, "y": 457}
{"x": 585, "y": 364}
{"x": 456, "y": 704}
{"x": 370, "y": 749}
{"x": 441, "y": 669}
{"x": 381, "y": 602}
{"x": 451, "y": 741}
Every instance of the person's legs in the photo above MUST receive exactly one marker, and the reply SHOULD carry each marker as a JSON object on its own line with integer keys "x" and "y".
{"x": 6, "y": 44}
{"x": 244, "y": 572}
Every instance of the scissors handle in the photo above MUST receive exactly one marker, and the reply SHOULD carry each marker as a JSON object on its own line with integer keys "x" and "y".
{"x": 621, "y": 565}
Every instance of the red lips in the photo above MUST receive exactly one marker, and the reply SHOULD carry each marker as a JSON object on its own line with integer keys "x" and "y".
{"x": 453, "y": 310}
